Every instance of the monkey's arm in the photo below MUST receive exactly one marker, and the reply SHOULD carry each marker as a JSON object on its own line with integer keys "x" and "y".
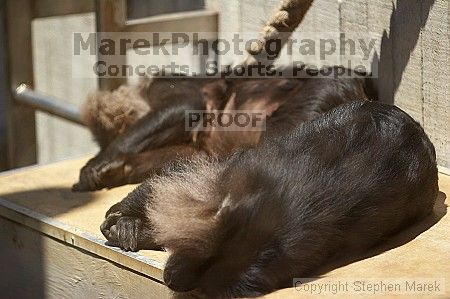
{"x": 130, "y": 168}
{"x": 130, "y": 157}
{"x": 125, "y": 223}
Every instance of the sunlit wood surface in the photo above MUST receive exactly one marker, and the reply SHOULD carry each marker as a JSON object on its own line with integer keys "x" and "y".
{"x": 40, "y": 198}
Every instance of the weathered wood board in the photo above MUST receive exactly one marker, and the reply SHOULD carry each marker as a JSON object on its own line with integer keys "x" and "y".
{"x": 54, "y": 242}
{"x": 411, "y": 58}
{"x": 436, "y": 78}
{"x": 53, "y": 74}
{"x": 35, "y": 265}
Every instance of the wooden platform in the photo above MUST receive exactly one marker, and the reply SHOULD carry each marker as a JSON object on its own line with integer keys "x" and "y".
{"x": 51, "y": 246}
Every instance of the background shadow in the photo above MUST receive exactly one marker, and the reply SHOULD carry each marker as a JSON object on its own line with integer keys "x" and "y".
{"x": 406, "y": 22}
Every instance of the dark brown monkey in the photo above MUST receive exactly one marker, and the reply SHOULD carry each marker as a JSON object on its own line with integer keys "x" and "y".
{"x": 249, "y": 224}
{"x": 140, "y": 130}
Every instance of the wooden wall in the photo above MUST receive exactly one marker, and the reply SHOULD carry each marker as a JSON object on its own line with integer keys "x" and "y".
{"x": 146, "y": 8}
{"x": 411, "y": 57}
{"x": 52, "y": 60}
{"x": 37, "y": 266}
{"x": 412, "y": 54}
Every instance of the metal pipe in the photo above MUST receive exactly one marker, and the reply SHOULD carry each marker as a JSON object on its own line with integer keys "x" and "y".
{"x": 27, "y": 96}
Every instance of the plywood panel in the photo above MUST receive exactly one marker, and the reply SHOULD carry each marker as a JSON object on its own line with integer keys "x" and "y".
{"x": 46, "y": 190}
{"x": 421, "y": 251}
{"x": 382, "y": 65}
{"x": 397, "y": 61}
{"x": 37, "y": 266}
{"x": 407, "y": 57}
{"x": 320, "y": 22}
{"x": 52, "y": 58}
{"x": 22, "y": 261}
{"x": 436, "y": 78}
{"x": 354, "y": 15}
{"x": 230, "y": 23}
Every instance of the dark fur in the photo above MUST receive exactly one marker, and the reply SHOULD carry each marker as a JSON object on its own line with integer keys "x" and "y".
{"x": 131, "y": 124}
{"x": 249, "y": 224}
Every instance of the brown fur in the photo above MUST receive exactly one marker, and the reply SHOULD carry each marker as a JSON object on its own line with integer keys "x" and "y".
{"x": 108, "y": 114}
{"x": 126, "y": 128}
{"x": 250, "y": 224}
{"x": 190, "y": 193}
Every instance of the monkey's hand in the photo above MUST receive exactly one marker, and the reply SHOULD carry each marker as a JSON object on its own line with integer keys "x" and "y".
{"x": 127, "y": 232}
{"x": 102, "y": 172}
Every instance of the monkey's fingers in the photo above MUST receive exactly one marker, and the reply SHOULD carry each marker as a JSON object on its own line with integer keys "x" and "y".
{"x": 109, "y": 221}
{"x": 114, "y": 209}
{"x": 101, "y": 173}
{"x": 109, "y": 229}
{"x": 122, "y": 231}
{"x": 128, "y": 233}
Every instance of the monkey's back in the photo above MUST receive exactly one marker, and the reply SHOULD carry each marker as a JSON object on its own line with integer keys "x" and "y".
{"x": 347, "y": 180}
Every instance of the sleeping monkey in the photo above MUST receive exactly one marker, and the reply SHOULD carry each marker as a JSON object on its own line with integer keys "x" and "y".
{"x": 249, "y": 224}
{"x": 141, "y": 130}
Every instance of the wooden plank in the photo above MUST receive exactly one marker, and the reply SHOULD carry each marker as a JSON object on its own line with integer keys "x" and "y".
{"x": 407, "y": 56}
{"x": 145, "y": 8}
{"x": 320, "y": 22}
{"x": 436, "y": 77}
{"x": 40, "y": 198}
{"x": 230, "y": 23}
{"x": 22, "y": 260}
{"x": 382, "y": 65}
{"x": 67, "y": 77}
{"x": 39, "y": 266}
{"x": 4, "y": 90}
{"x": 21, "y": 119}
{"x": 110, "y": 17}
{"x": 354, "y": 23}
{"x": 80, "y": 239}
{"x": 194, "y": 21}
{"x": 50, "y": 8}
{"x": 398, "y": 59}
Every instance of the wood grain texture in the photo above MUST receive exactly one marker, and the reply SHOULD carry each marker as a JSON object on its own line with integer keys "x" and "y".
{"x": 407, "y": 57}
{"x": 410, "y": 59}
{"x": 398, "y": 57}
{"x": 46, "y": 190}
{"x": 109, "y": 17}
{"x": 21, "y": 130}
{"x": 230, "y": 23}
{"x": 321, "y": 22}
{"x": 382, "y": 66}
{"x": 421, "y": 251}
{"x": 56, "y": 74}
{"x": 354, "y": 23}
{"x": 37, "y": 266}
{"x": 436, "y": 79}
